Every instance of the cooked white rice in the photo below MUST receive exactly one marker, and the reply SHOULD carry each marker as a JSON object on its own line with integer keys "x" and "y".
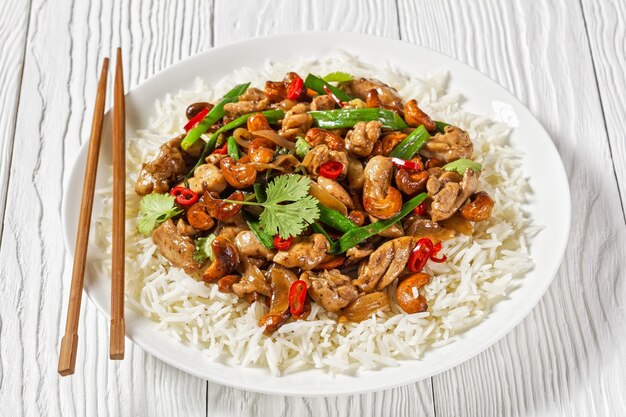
{"x": 479, "y": 271}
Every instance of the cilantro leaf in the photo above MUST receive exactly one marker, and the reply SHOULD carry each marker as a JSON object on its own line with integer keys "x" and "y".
{"x": 154, "y": 209}
{"x": 302, "y": 147}
{"x": 338, "y": 76}
{"x": 287, "y": 188}
{"x": 203, "y": 249}
{"x": 289, "y": 219}
{"x": 460, "y": 165}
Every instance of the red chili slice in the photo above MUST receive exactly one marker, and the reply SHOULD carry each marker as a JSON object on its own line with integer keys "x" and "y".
{"x": 297, "y": 297}
{"x": 420, "y": 255}
{"x": 222, "y": 150}
{"x": 184, "y": 196}
{"x": 333, "y": 96}
{"x": 422, "y": 209}
{"x": 331, "y": 169}
{"x": 196, "y": 119}
{"x": 412, "y": 165}
{"x": 282, "y": 244}
{"x": 295, "y": 88}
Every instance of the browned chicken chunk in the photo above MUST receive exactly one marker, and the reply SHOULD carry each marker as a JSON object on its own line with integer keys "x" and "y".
{"x": 388, "y": 96}
{"x": 385, "y": 264}
{"x": 452, "y": 196}
{"x": 296, "y": 122}
{"x": 178, "y": 249}
{"x": 252, "y": 100}
{"x": 305, "y": 254}
{"x": 330, "y": 289}
{"x": 361, "y": 139}
{"x": 449, "y": 146}
{"x": 167, "y": 168}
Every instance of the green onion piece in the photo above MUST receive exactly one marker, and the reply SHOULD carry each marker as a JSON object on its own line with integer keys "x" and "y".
{"x": 411, "y": 144}
{"x": 461, "y": 165}
{"x": 344, "y": 118}
{"x": 259, "y": 192}
{"x": 317, "y": 84}
{"x": 441, "y": 126}
{"x": 265, "y": 239}
{"x": 214, "y": 115}
{"x": 272, "y": 116}
{"x": 358, "y": 235}
{"x": 317, "y": 228}
{"x": 335, "y": 219}
{"x": 233, "y": 150}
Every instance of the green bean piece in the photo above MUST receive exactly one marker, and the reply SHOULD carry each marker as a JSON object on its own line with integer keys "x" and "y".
{"x": 259, "y": 192}
{"x": 233, "y": 150}
{"x": 335, "y": 219}
{"x": 411, "y": 144}
{"x": 358, "y": 235}
{"x": 345, "y": 118}
{"x": 317, "y": 84}
{"x": 214, "y": 115}
{"x": 265, "y": 239}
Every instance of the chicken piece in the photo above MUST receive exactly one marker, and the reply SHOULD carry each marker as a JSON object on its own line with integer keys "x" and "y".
{"x": 322, "y": 102}
{"x": 305, "y": 254}
{"x": 356, "y": 253}
{"x": 252, "y": 100}
{"x": 176, "y": 248}
{"x": 321, "y": 154}
{"x": 318, "y": 136}
{"x": 207, "y": 177}
{"x": 248, "y": 244}
{"x": 364, "y": 306}
{"x": 330, "y": 289}
{"x": 386, "y": 95}
{"x": 385, "y": 264}
{"x": 361, "y": 139}
{"x": 185, "y": 229}
{"x": 452, "y": 196}
{"x": 296, "y": 122}
{"x": 449, "y": 146}
{"x": 168, "y": 167}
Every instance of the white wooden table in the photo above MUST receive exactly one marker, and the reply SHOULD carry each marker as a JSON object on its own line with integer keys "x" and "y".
{"x": 565, "y": 59}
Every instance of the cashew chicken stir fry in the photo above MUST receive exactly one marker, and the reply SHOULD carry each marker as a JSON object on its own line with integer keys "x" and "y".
{"x": 315, "y": 190}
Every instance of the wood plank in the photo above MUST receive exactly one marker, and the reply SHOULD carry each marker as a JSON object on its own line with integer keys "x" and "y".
{"x": 66, "y": 42}
{"x": 606, "y": 30}
{"x": 567, "y": 358}
{"x": 283, "y": 16}
{"x": 13, "y": 28}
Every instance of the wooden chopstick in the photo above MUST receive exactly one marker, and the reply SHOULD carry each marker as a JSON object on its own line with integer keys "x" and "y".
{"x": 67, "y": 354}
{"x": 118, "y": 327}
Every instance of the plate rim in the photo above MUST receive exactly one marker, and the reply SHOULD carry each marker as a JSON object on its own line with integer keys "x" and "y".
{"x": 470, "y": 353}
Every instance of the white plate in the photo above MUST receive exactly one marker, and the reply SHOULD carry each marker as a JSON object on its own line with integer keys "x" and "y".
{"x": 549, "y": 207}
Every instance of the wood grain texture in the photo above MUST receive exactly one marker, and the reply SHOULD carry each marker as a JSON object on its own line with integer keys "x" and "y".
{"x": 13, "y": 28}
{"x": 66, "y": 42}
{"x": 567, "y": 358}
{"x": 272, "y": 17}
{"x": 606, "y": 28}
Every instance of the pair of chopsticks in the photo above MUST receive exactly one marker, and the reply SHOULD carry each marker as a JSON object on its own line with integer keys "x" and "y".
{"x": 67, "y": 355}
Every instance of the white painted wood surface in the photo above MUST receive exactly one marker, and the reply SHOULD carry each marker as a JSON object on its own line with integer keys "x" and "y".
{"x": 564, "y": 59}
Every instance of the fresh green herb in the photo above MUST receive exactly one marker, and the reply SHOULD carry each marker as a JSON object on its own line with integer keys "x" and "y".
{"x": 359, "y": 234}
{"x": 289, "y": 208}
{"x": 338, "y": 76}
{"x": 411, "y": 144}
{"x": 302, "y": 147}
{"x": 460, "y": 165}
{"x": 265, "y": 239}
{"x": 272, "y": 116}
{"x": 345, "y": 118}
{"x": 154, "y": 209}
{"x": 233, "y": 150}
{"x": 317, "y": 84}
{"x": 214, "y": 115}
{"x": 203, "y": 249}
{"x": 335, "y": 219}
